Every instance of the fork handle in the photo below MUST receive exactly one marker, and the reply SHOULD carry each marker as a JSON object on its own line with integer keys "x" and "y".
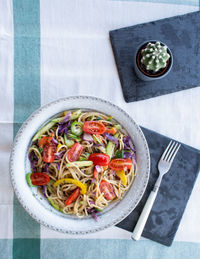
{"x": 144, "y": 215}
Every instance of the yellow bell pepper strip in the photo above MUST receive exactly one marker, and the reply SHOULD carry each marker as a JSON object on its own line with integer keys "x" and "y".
{"x": 122, "y": 176}
{"x": 83, "y": 186}
{"x": 58, "y": 146}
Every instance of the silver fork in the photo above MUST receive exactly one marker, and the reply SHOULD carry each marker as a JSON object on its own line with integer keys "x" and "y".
{"x": 163, "y": 167}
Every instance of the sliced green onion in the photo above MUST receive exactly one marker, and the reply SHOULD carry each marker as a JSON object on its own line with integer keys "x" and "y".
{"x": 98, "y": 209}
{"x": 40, "y": 150}
{"x": 117, "y": 126}
{"x": 75, "y": 114}
{"x": 74, "y": 137}
{"x": 97, "y": 139}
{"x": 80, "y": 164}
{"x": 110, "y": 148}
{"x": 119, "y": 154}
{"x": 116, "y": 135}
{"x": 58, "y": 119}
{"x": 53, "y": 204}
{"x": 43, "y": 130}
{"x": 28, "y": 179}
{"x": 109, "y": 118}
{"x": 76, "y": 128}
{"x": 86, "y": 154}
{"x": 81, "y": 158}
{"x": 68, "y": 142}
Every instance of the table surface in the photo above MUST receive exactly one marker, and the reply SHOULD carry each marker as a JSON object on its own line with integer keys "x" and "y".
{"x": 52, "y": 49}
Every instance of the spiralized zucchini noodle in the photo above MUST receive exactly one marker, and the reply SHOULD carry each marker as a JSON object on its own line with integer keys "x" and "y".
{"x": 74, "y": 181}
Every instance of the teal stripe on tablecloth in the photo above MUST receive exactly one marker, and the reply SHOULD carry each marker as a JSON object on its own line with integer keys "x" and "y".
{"x": 118, "y": 249}
{"x": 26, "y": 99}
{"x": 178, "y": 2}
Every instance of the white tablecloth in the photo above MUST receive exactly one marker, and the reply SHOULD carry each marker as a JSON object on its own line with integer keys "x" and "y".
{"x": 77, "y": 59}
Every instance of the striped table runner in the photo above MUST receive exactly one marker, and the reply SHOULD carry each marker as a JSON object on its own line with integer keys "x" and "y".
{"x": 50, "y": 49}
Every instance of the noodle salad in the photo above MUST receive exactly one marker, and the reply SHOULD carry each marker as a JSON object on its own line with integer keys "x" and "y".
{"x": 81, "y": 161}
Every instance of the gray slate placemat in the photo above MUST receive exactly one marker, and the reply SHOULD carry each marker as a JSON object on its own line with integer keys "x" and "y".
{"x": 173, "y": 194}
{"x": 181, "y": 34}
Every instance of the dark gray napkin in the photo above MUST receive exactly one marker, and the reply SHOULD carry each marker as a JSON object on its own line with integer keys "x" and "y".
{"x": 174, "y": 192}
{"x": 182, "y": 36}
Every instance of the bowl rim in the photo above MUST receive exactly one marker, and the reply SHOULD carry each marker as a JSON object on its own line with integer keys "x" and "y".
{"x": 20, "y": 132}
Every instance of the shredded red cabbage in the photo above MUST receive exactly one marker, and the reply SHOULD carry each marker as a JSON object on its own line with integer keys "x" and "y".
{"x": 111, "y": 138}
{"x": 94, "y": 215}
{"x": 33, "y": 161}
{"x": 90, "y": 210}
{"x": 54, "y": 141}
{"x": 46, "y": 168}
{"x": 127, "y": 155}
{"x": 59, "y": 155}
{"x": 62, "y": 128}
{"x": 43, "y": 188}
{"x": 130, "y": 155}
{"x": 67, "y": 117}
{"x": 58, "y": 165}
{"x": 128, "y": 144}
{"x": 87, "y": 137}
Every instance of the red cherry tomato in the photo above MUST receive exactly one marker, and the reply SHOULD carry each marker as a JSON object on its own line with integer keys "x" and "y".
{"x": 107, "y": 189}
{"x": 99, "y": 159}
{"x": 94, "y": 127}
{"x": 49, "y": 152}
{"x": 120, "y": 163}
{"x": 73, "y": 196}
{"x": 39, "y": 178}
{"x": 44, "y": 140}
{"x": 75, "y": 152}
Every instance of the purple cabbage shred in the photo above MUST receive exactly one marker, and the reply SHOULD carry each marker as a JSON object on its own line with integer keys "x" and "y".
{"x": 59, "y": 155}
{"x": 43, "y": 188}
{"x": 111, "y": 138}
{"x": 66, "y": 118}
{"x": 33, "y": 161}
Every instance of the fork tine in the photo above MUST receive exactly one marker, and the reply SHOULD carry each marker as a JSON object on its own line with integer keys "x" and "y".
{"x": 172, "y": 155}
{"x": 166, "y": 150}
{"x": 171, "y": 151}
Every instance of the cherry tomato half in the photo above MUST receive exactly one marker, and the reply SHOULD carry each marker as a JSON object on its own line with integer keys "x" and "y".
{"x": 99, "y": 159}
{"x": 44, "y": 140}
{"x": 73, "y": 196}
{"x": 39, "y": 178}
{"x": 94, "y": 127}
{"x": 107, "y": 189}
{"x": 75, "y": 152}
{"x": 49, "y": 152}
{"x": 119, "y": 164}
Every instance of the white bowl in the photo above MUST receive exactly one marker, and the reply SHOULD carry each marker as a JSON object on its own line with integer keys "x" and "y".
{"x": 38, "y": 207}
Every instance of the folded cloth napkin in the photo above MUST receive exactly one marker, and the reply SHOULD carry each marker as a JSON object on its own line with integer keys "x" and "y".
{"x": 173, "y": 194}
{"x": 180, "y": 34}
